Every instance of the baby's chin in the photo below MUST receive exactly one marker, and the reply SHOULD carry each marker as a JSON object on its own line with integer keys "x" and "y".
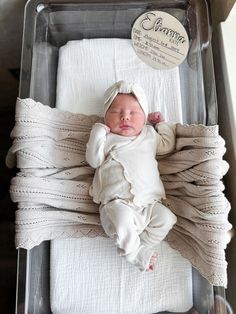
{"x": 126, "y": 132}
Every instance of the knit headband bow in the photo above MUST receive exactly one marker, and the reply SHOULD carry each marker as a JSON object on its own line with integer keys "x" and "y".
{"x": 123, "y": 87}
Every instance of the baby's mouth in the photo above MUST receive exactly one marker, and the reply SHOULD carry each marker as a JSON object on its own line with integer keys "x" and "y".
{"x": 125, "y": 126}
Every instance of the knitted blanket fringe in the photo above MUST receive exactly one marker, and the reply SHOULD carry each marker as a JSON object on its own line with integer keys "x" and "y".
{"x": 51, "y": 188}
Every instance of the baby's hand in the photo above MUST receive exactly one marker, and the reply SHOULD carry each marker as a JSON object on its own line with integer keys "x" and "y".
{"x": 100, "y": 128}
{"x": 155, "y": 117}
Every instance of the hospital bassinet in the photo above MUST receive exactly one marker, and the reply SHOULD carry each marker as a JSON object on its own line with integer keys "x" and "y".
{"x": 50, "y": 24}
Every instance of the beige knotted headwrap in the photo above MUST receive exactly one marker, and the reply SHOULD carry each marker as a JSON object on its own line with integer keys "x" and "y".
{"x": 123, "y": 87}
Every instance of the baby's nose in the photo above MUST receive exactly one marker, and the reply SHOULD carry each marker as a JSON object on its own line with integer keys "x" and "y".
{"x": 125, "y": 116}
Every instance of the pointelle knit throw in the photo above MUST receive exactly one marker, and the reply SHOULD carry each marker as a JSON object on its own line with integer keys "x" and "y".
{"x": 51, "y": 187}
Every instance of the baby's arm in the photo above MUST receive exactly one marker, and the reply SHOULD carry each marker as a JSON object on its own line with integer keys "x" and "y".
{"x": 95, "y": 147}
{"x": 165, "y": 135}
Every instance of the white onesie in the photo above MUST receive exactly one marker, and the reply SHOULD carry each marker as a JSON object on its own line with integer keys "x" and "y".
{"x": 127, "y": 185}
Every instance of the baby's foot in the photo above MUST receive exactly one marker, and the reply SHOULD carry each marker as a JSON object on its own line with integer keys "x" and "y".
{"x": 152, "y": 262}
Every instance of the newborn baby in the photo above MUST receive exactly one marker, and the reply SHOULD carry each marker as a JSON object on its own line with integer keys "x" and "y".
{"x": 127, "y": 182}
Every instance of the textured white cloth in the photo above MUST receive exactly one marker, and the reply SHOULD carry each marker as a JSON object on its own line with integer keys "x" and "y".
{"x": 86, "y": 68}
{"x": 123, "y": 87}
{"x": 80, "y": 88}
{"x": 88, "y": 277}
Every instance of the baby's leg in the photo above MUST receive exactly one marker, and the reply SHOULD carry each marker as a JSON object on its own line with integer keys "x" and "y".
{"x": 118, "y": 221}
{"x": 161, "y": 222}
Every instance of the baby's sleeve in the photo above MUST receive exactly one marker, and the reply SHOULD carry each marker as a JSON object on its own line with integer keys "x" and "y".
{"x": 95, "y": 154}
{"x": 166, "y": 138}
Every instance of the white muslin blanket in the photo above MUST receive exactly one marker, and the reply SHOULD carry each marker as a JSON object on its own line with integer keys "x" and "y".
{"x": 86, "y": 68}
{"x": 99, "y": 281}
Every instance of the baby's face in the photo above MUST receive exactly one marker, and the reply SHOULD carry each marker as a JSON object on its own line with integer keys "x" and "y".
{"x": 125, "y": 116}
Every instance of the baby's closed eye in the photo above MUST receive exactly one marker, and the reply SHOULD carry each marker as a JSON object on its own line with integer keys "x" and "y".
{"x": 135, "y": 112}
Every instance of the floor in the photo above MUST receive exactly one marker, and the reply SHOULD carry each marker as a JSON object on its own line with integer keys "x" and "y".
{"x": 7, "y": 208}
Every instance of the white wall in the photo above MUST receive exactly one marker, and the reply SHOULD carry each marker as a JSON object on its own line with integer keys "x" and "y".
{"x": 220, "y": 10}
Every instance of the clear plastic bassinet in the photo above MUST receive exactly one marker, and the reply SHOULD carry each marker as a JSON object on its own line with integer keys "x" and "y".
{"x": 50, "y": 24}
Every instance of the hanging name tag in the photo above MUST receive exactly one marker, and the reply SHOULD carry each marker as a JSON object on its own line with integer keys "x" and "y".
{"x": 160, "y": 40}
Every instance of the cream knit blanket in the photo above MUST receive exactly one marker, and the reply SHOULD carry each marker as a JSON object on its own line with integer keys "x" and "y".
{"x": 51, "y": 188}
